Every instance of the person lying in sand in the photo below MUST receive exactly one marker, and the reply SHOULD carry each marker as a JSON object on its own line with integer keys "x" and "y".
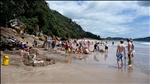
{"x": 36, "y": 59}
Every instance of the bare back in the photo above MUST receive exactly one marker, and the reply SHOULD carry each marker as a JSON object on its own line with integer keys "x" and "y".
{"x": 121, "y": 48}
{"x": 129, "y": 47}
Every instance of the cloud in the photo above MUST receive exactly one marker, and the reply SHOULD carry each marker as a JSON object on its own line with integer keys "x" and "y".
{"x": 107, "y": 18}
{"x": 143, "y": 3}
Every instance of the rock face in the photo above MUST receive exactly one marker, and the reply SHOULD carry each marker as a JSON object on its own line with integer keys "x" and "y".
{"x": 11, "y": 33}
{"x": 18, "y": 25}
{"x": 8, "y": 32}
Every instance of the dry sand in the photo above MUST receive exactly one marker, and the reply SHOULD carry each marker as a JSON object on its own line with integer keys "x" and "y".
{"x": 97, "y": 69}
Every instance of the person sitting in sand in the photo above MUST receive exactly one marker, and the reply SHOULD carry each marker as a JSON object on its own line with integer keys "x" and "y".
{"x": 26, "y": 45}
{"x": 22, "y": 47}
{"x": 25, "y": 52}
{"x": 85, "y": 50}
{"x": 36, "y": 59}
{"x": 79, "y": 49}
{"x": 120, "y": 53}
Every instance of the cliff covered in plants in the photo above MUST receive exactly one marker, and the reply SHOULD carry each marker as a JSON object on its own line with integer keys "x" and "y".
{"x": 37, "y": 12}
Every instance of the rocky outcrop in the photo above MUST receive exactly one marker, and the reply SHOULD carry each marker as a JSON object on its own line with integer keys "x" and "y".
{"x": 8, "y": 32}
{"x": 17, "y": 25}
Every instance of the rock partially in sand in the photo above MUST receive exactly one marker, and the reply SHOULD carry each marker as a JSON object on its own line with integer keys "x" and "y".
{"x": 53, "y": 61}
{"x": 17, "y": 25}
{"x": 101, "y": 50}
{"x": 42, "y": 38}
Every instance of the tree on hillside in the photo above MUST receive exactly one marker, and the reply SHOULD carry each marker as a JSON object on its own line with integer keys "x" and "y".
{"x": 51, "y": 22}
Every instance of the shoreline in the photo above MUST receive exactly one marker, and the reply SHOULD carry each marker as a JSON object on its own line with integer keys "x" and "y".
{"x": 72, "y": 73}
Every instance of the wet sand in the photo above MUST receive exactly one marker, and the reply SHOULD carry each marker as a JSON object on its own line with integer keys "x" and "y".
{"x": 97, "y": 68}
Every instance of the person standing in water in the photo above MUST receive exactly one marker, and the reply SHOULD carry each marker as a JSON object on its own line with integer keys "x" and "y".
{"x": 120, "y": 53}
{"x": 129, "y": 47}
{"x": 113, "y": 43}
{"x": 106, "y": 47}
{"x": 132, "y": 49}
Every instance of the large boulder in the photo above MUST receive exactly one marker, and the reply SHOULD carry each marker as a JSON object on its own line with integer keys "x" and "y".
{"x": 8, "y": 32}
{"x": 17, "y": 25}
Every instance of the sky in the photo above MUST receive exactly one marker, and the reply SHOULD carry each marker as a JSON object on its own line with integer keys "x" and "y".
{"x": 128, "y": 19}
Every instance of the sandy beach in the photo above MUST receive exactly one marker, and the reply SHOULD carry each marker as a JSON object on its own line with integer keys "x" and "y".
{"x": 96, "y": 68}
{"x": 75, "y": 42}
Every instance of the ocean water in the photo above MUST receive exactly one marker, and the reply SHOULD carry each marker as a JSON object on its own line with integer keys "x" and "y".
{"x": 141, "y": 52}
{"x": 142, "y": 56}
{"x": 141, "y": 61}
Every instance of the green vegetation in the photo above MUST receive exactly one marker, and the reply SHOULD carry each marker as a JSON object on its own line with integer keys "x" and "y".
{"x": 147, "y": 39}
{"x": 50, "y": 22}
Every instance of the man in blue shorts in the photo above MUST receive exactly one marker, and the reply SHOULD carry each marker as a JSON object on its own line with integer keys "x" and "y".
{"x": 120, "y": 53}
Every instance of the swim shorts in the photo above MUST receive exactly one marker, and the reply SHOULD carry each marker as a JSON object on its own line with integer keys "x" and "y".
{"x": 120, "y": 56}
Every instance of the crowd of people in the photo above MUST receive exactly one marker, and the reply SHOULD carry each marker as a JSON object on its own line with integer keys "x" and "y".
{"x": 83, "y": 47}
{"x": 74, "y": 45}
{"x": 25, "y": 51}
